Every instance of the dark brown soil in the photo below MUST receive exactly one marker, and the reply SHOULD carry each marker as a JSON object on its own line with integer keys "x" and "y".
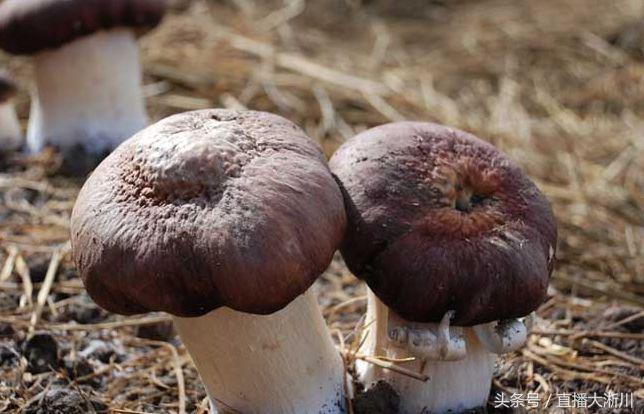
{"x": 379, "y": 399}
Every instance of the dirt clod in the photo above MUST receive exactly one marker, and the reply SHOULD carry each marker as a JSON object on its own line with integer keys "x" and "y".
{"x": 102, "y": 351}
{"x": 41, "y": 352}
{"x": 379, "y": 399}
{"x": 58, "y": 400}
{"x": 7, "y": 355}
{"x": 78, "y": 368}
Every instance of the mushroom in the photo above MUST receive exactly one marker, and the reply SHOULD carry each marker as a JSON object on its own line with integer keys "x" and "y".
{"x": 10, "y": 134}
{"x": 455, "y": 243}
{"x": 223, "y": 219}
{"x": 88, "y": 95}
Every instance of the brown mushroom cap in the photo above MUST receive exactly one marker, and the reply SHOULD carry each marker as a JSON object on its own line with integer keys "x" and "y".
{"x": 29, "y": 26}
{"x": 207, "y": 209}
{"x": 440, "y": 220}
{"x": 8, "y": 88}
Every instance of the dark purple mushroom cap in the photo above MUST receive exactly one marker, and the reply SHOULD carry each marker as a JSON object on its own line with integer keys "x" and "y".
{"x": 8, "y": 88}
{"x": 30, "y": 26}
{"x": 207, "y": 209}
{"x": 440, "y": 220}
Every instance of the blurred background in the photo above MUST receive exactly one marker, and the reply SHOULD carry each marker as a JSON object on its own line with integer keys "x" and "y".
{"x": 557, "y": 84}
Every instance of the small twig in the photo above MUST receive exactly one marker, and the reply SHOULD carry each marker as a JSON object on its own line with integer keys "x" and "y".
{"x": 591, "y": 334}
{"x": 109, "y": 325}
{"x": 43, "y": 293}
{"x": 281, "y": 16}
{"x": 611, "y": 293}
{"x": 178, "y": 371}
{"x": 564, "y": 372}
{"x": 502, "y": 387}
{"x": 631, "y": 318}
{"x": 180, "y": 77}
{"x": 390, "y": 366}
{"x": 326, "y": 110}
{"x": 619, "y": 354}
{"x": 23, "y": 271}
{"x": 186, "y": 103}
{"x": 202, "y": 407}
{"x": 9, "y": 263}
{"x": 396, "y": 360}
{"x": 231, "y": 102}
{"x": 333, "y": 309}
{"x": 382, "y": 106}
{"x": 582, "y": 367}
{"x": 42, "y": 187}
{"x": 305, "y": 67}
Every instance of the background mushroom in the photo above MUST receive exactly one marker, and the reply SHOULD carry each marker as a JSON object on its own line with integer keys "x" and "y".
{"x": 88, "y": 94}
{"x": 455, "y": 243}
{"x": 223, "y": 219}
{"x": 10, "y": 134}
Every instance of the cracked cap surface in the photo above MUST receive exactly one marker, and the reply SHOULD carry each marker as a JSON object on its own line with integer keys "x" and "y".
{"x": 207, "y": 209}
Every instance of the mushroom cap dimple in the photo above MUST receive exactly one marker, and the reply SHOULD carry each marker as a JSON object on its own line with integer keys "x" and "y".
{"x": 207, "y": 209}
{"x": 440, "y": 220}
{"x": 30, "y": 26}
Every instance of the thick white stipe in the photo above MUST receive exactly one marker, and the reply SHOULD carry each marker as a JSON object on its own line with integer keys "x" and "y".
{"x": 284, "y": 363}
{"x": 457, "y": 380}
{"x": 88, "y": 94}
{"x": 10, "y": 135}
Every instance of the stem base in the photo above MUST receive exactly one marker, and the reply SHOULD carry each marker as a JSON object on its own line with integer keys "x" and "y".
{"x": 284, "y": 363}
{"x": 453, "y": 385}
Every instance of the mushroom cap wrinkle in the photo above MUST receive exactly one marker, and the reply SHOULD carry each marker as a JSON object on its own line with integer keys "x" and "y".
{"x": 439, "y": 220}
{"x": 206, "y": 209}
{"x": 30, "y": 26}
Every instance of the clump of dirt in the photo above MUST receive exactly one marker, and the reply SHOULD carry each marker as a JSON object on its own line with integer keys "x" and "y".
{"x": 41, "y": 352}
{"x": 38, "y": 265}
{"x": 58, "y": 400}
{"x": 105, "y": 352}
{"x": 379, "y": 399}
{"x": 383, "y": 399}
{"x": 82, "y": 310}
{"x": 77, "y": 368}
{"x": 8, "y": 302}
{"x": 8, "y": 355}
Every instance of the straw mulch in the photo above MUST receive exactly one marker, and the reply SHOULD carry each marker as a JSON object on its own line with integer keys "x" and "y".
{"x": 557, "y": 84}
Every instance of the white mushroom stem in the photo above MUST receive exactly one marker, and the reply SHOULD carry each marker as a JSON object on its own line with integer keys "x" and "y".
{"x": 501, "y": 337}
{"x": 88, "y": 94}
{"x": 284, "y": 363}
{"x": 10, "y": 134}
{"x": 459, "y": 364}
